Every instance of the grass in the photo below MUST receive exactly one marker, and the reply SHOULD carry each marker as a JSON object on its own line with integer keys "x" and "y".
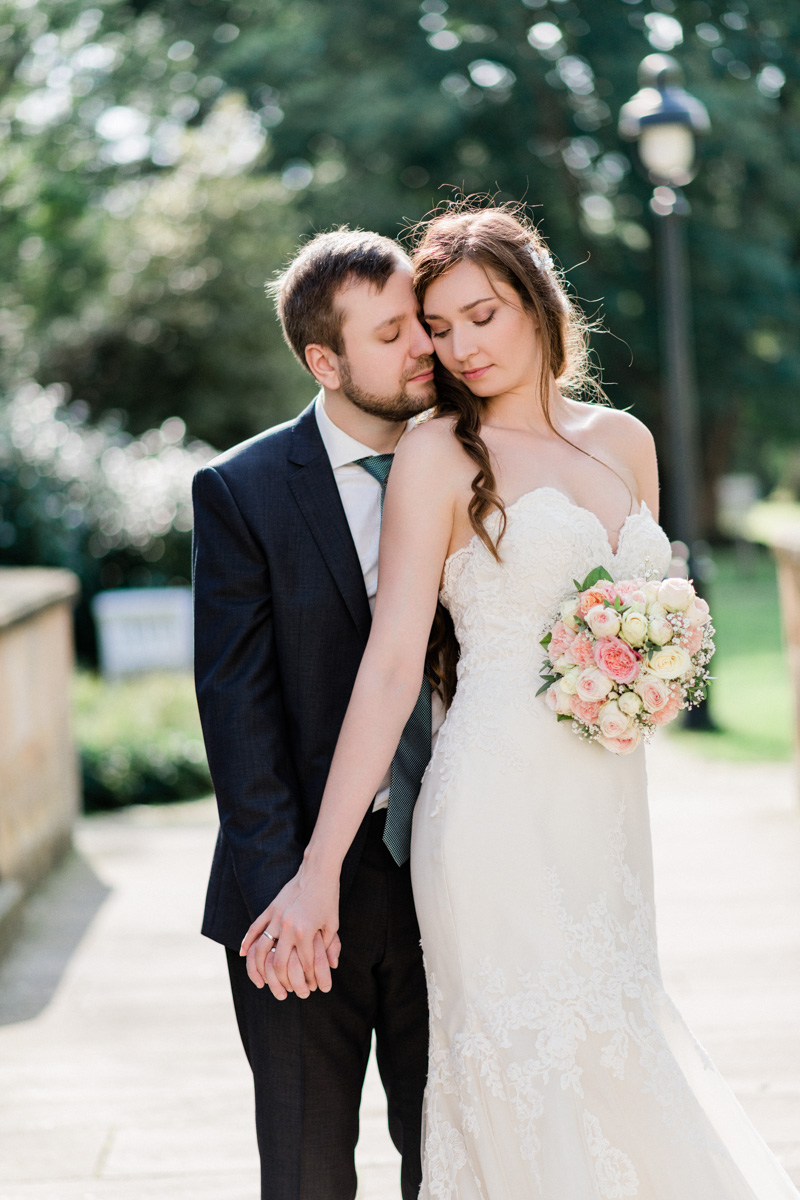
{"x": 139, "y": 740}
{"x": 751, "y": 696}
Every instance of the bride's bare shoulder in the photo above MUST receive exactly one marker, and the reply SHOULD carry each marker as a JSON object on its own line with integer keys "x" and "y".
{"x": 430, "y": 462}
{"x": 432, "y": 443}
{"x": 619, "y": 433}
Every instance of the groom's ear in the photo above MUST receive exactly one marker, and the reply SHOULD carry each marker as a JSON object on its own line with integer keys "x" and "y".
{"x": 323, "y": 365}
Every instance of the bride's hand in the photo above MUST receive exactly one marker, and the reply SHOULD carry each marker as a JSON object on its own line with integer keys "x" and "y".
{"x": 304, "y": 919}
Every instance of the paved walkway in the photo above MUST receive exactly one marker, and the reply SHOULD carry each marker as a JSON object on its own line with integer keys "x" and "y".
{"x": 121, "y": 1075}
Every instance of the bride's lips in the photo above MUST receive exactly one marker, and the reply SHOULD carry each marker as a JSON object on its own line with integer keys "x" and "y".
{"x": 476, "y": 374}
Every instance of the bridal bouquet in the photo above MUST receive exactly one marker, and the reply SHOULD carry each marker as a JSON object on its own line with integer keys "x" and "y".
{"x": 623, "y": 658}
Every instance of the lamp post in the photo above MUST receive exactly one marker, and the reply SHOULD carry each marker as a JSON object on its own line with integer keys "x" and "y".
{"x": 663, "y": 119}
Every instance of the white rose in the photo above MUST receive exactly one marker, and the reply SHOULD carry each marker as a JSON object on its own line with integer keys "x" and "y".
{"x": 630, "y": 703}
{"x": 654, "y": 609}
{"x": 568, "y": 683}
{"x": 603, "y": 622}
{"x": 569, "y": 611}
{"x": 670, "y": 662}
{"x": 698, "y": 613}
{"x": 660, "y": 631}
{"x": 634, "y": 627}
{"x": 650, "y": 590}
{"x": 676, "y": 594}
{"x": 612, "y": 721}
{"x": 557, "y": 700}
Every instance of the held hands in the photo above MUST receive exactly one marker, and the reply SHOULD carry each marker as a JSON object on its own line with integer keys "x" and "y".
{"x": 304, "y": 919}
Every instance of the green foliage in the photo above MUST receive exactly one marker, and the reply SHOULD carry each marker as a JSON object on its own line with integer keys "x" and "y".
{"x": 139, "y": 740}
{"x": 162, "y": 160}
{"x": 113, "y": 508}
{"x": 750, "y": 695}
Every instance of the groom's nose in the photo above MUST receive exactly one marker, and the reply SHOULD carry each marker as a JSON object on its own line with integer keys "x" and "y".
{"x": 420, "y": 344}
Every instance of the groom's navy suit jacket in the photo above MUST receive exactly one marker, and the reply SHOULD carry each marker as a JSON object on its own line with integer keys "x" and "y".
{"x": 281, "y": 622}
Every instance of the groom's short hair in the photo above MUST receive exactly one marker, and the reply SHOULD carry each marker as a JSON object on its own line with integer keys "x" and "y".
{"x": 305, "y": 292}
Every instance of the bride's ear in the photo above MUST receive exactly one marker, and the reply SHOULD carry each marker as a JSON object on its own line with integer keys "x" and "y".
{"x": 323, "y": 365}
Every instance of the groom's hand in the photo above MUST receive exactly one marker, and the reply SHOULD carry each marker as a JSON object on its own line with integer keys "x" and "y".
{"x": 261, "y": 970}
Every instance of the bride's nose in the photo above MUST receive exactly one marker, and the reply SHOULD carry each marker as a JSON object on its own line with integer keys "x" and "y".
{"x": 464, "y": 345}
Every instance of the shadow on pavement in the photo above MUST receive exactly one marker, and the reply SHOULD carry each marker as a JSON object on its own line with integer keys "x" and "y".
{"x": 55, "y": 918}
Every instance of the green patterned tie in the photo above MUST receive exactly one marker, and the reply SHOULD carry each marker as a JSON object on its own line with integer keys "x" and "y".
{"x": 414, "y": 749}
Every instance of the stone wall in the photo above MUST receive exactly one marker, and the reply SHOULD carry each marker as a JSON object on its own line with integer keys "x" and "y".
{"x": 39, "y": 788}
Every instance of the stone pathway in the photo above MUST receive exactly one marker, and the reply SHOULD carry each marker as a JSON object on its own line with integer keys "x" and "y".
{"x": 121, "y": 1073}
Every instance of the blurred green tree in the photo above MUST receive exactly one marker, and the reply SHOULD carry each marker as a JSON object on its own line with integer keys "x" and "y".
{"x": 134, "y": 261}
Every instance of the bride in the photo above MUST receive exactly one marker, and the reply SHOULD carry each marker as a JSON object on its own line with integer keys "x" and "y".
{"x": 558, "y": 1066}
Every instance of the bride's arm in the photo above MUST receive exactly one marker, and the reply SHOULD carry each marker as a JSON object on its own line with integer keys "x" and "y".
{"x": 417, "y": 526}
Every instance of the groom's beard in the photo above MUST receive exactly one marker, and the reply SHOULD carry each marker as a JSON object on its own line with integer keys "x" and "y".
{"x": 399, "y": 406}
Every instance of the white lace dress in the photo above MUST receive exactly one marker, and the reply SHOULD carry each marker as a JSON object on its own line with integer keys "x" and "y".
{"x": 558, "y": 1066}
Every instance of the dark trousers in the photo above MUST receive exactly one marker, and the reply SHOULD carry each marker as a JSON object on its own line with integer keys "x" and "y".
{"x": 309, "y": 1057}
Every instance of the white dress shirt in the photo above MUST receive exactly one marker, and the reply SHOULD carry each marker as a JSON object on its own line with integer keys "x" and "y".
{"x": 361, "y": 499}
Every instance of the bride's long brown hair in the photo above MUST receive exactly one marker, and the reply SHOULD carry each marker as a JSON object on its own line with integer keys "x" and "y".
{"x": 508, "y": 246}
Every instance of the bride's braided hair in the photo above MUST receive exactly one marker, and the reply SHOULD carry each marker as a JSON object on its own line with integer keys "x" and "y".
{"x": 503, "y": 241}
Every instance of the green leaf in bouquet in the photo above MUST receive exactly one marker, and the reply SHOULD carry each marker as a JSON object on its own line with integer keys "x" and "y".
{"x": 563, "y": 717}
{"x": 594, "y": 577}
{"x": 546, "y": 640}
{"x": 547, "y": 681}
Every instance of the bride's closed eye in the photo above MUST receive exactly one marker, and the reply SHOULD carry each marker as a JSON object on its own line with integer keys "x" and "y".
{"x": 440, "y": 333}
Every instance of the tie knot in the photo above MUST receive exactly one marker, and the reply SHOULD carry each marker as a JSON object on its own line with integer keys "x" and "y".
{"x": 378, "y": 466}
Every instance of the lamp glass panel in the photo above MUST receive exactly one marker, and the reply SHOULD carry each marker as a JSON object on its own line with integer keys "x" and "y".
{"x": 667, "y": 151}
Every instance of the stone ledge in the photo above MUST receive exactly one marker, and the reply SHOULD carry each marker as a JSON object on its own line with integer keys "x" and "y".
{"x": 28, "y": 590}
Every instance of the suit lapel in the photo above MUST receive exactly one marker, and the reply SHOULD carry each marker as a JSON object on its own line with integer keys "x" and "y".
{"x": 313, "y": 486}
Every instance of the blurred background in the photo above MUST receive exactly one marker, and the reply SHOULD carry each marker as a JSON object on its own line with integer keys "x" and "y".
{"x": 160, "y": 161}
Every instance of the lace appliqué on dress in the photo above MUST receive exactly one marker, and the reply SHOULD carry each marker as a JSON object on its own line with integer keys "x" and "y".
{"x": 606, "y": 986}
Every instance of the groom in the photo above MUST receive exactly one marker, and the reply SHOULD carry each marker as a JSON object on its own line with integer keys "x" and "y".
{"x": 285, "y": 573}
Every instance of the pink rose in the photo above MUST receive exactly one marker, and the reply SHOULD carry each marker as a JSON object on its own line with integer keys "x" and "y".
{"x": 630, "y": 589}
{"x": 669, "y": 711}
{"x": 603, "y": 622}
{"x": 617, "y": 659}
{"x": 581, "y": 652}
{"x": 624, "y": 744}
{"x": 586, "y": 710}
{"x": 562, "y": 639}
{"x": 557, "y": 700}
{"x": 593, "y": 684}
{"x": 692, "y": 640}
{"x": 653, "y": 691}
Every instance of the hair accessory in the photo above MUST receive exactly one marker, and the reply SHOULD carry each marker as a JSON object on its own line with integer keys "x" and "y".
{"x": 541, "y": 256}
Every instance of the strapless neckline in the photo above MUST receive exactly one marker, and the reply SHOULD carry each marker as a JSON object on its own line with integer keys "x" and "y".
{"x": 644, "y": 511}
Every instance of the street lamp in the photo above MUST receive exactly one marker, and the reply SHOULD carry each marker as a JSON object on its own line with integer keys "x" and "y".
{"x": 663, "y": 119}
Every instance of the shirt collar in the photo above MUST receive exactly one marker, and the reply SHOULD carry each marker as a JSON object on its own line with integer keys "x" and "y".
{"x": 340, "y": 447}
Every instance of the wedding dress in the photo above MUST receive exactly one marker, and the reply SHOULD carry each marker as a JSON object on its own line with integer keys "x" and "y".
{"x": 559, "y": 1068}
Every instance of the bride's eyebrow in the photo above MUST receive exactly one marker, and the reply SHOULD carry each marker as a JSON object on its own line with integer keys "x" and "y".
{"x": 466, "y": 308}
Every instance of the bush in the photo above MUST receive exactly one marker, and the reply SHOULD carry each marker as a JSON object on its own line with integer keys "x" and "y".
{"x": 113, "y": 508}
{"x": 139, "y": 740}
